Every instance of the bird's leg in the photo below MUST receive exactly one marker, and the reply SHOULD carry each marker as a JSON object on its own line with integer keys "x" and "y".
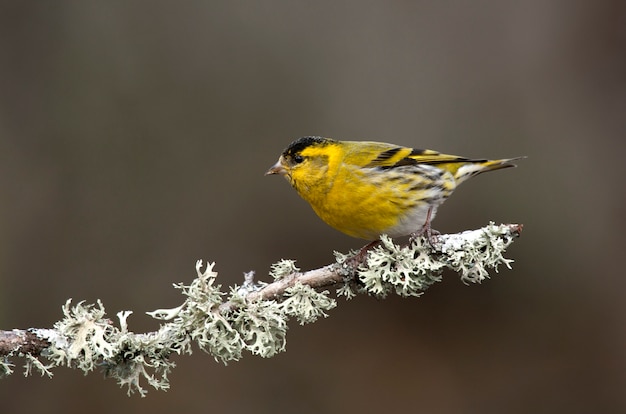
{"x": 361, "y": 255}
{"x": 427, "y": 230}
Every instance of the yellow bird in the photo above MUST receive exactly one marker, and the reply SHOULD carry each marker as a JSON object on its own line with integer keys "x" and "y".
{"x": 365, "y": 189}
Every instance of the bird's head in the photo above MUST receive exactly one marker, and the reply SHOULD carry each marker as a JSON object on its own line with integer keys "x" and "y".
{"x": 308, "y": 164}
{"x": 305, "y": 160}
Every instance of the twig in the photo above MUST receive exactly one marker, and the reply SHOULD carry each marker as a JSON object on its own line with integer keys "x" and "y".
{"x": 254, "y": 316}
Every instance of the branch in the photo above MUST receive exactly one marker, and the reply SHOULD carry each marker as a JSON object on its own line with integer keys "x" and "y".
{"x": 254, "y": 315}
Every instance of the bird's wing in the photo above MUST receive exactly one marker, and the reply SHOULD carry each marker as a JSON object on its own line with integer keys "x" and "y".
{"x": 387, "y": 156}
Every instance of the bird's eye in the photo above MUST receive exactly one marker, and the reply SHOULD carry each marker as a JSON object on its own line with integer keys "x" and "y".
{"x": 298, "y": 159}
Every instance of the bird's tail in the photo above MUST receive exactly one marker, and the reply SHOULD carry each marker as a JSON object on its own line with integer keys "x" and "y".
{"x": 470, "y": 168}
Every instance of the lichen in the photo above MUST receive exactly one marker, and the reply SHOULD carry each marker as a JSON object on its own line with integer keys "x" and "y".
{"x": 473, "y": 252}
{"x": 262, "y": 325}
{"x": 88, "y": 336}
{"x": 306, "y": 304}
{"x": 410, "y": 269}
{"x": 405, "y": 270}
{"x": 6, "y": 367}
{"x": 245, "y": 321}
{"x": 283, "y": 268}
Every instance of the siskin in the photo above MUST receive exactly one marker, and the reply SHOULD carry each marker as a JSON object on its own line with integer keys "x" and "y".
{"x": 365, "y": 189}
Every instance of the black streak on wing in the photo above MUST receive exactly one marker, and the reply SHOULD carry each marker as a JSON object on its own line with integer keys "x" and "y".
{"x": 401, "y": 163}
{"x": 429, "y": 159}
{"x": 385, "y": 155}
{"x": 418, "y": 152}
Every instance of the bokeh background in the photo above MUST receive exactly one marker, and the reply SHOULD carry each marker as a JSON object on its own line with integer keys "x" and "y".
{"x": 133, "y": 141}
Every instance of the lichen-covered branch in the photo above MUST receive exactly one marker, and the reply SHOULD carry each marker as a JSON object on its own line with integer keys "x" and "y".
{"x": 251, "y": 317}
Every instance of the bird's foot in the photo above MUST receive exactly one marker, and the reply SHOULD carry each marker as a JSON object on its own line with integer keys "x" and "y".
{"x": 361, "y": 256}
{"x": 431, "y": 234}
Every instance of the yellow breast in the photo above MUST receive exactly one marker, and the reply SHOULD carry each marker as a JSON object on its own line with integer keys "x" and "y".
{"x": 367, "y": 202}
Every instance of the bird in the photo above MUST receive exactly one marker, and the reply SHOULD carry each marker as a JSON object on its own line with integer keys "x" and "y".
{"x": 366, "y": 189}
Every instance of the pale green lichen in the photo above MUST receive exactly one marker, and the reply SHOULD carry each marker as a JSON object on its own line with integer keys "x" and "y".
{"x": 405, "y": 270}
{"x": 306, "y": 304}
{"x": 219, "y": 338}
{"x": 473, "y": 252}
{"x": 86, "y": 339}
{"x": 198, "y": 319}
{"x": 283, "y": 268}
{"x": 409, "y": 270}
{"x": 263, "y": 326}
{"x": 6, "y": 367}
{"x": 347, "y": 290}
{"x": 86, "y": 334}
{"x": 34, "y": 364}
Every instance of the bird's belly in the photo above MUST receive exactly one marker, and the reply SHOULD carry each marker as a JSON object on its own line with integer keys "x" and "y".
{"x": 412, "y": 221}
{"x": 368, "y": 214}
{"x": 368, "y": 202}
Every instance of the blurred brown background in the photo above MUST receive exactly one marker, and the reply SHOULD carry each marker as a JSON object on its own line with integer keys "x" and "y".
{"x": 133, "y": 141}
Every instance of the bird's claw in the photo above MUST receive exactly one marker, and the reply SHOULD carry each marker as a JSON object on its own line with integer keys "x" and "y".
{"x": 432, "y": 235}
{"x": 361, "y": 256}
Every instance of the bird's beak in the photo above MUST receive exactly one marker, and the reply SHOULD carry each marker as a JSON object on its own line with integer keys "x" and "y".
{"x": 277, "y": 169}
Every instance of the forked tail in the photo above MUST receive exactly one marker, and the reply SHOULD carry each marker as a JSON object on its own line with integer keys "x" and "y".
{"x": 474, "y": 167}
